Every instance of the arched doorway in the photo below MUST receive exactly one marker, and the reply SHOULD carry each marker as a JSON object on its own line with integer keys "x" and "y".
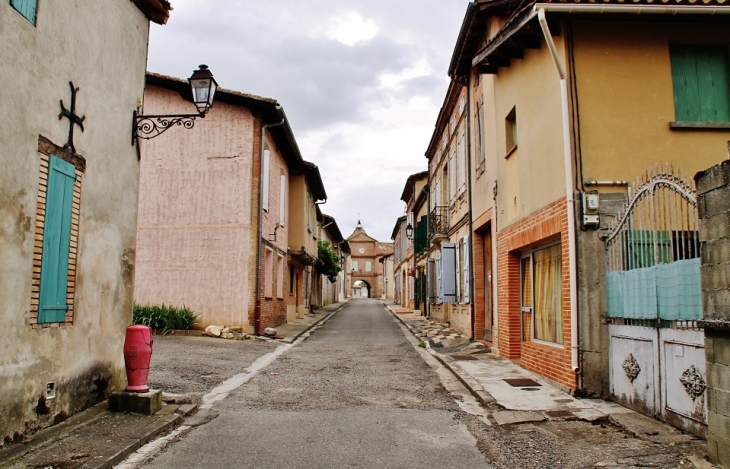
{"x": 360, "y": 289}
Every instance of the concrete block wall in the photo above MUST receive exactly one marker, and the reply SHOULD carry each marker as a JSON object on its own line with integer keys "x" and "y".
{"x": 713, "y": 203}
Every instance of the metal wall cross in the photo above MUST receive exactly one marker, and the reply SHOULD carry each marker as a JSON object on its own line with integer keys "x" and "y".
{"x": 72, "y": 117}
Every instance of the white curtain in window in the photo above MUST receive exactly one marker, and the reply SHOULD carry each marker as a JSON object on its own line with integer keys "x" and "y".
{"x": 548, "y": 311}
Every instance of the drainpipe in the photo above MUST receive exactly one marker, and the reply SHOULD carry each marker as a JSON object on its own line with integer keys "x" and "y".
{"x": 568, "y": 162}
{"x": 471, "y": 221}
{"x": 257, "y": 308}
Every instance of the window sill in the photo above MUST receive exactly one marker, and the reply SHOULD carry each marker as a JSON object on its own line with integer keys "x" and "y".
{"x": 699, "y": 125}
{"x": 511, "y": 150}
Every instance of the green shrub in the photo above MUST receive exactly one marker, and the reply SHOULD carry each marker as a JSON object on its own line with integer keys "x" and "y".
{"x": 163, "y": 317}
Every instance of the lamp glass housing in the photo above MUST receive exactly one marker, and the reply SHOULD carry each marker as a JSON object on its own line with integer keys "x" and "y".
{"x": 409, "y": 231}
{"x": 203, "y": 86}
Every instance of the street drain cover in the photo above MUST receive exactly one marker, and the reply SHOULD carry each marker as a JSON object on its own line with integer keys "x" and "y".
{"x": 464, "y": 357}
{"x": 522, "y": 382}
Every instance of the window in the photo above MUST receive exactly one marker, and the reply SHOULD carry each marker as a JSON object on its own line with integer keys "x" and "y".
{"x": 462, "y": 163}
{"x": 466, "y": 268}
{"x": 701, "y": 79}
{"x": 446, "y": 271}
{"x": 268, "y": 273}
{"x": 265, "y": 180}
{"x": 292, "y": 278}
{"x": 282, "y": 200}
{"x": 368, "y": 266}
{"x": 541, "y": 295}
{"x": 280, "y": 276}
{"x": 452, "y": 176}
{"x": 457, "y": 280}
{"x": 26, "y": 8}
{"x": 462, "y": 105}
{"x": 59, "y": 237}
{"x": 510, "y": 131}
{"x": 354, "y": 265}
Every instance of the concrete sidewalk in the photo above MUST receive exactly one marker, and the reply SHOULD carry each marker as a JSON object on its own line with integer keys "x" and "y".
{"x": 99, "y": 439}
{"x": 530, "y": 397}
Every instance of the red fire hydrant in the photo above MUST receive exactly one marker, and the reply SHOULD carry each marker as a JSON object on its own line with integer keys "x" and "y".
{"x": 137, "y": 354}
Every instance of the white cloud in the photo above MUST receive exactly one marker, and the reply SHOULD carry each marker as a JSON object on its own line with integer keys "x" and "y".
{"x": 350, "y": 28}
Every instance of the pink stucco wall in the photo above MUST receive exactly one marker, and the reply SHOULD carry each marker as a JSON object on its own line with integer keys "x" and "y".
{"x": 197, "y": 225}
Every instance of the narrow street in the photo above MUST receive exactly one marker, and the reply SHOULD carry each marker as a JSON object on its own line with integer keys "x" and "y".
{"x": 355, "y": 394}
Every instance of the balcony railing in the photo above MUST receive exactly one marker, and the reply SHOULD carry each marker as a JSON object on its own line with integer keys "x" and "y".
{"x": 439, "y": 222}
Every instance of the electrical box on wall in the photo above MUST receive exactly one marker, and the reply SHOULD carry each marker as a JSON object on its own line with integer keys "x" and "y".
{"x": 590, "y": 206}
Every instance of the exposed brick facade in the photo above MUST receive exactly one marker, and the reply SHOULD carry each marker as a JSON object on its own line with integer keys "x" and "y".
{"x": 545, "y": 225}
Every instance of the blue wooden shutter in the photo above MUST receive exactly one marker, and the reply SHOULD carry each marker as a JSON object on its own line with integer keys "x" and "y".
{"x": 701, "y": 80}
{"x": 457, "y": 275}
{"x": 439, "y": 283}
{"x": 466, "y": 269}
{"x": 448, "y": 272}
{"x": 56, "y": 239}
{"x": 26, "y": 8}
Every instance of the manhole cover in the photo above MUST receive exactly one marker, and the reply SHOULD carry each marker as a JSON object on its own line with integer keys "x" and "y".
{"x": 559, "y": 414}
{"x": 464, "y": 357}
{"x": 522, "y": 382}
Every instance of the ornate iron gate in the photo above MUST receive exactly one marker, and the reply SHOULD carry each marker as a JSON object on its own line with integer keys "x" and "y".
{"x": 656, "y": 350}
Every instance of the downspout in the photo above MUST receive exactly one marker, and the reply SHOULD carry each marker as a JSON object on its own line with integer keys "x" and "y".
{"x": 257, "y": 308}
{"x": 570, "y": 199}
{"x": 472, "y": 298}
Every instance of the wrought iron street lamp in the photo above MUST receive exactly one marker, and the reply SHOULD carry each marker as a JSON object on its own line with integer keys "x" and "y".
{"x": 203, "y": 87}
{"x": 409, "y": 231}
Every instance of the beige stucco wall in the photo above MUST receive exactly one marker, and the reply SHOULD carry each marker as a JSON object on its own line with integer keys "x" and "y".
{"x": 196, "y": 240}
{"x": 101, "y": 47}
{"x": 624, "y": 81}
{"x": 533, "y": 175}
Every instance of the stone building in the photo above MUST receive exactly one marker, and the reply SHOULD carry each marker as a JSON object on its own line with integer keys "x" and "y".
{"x": 69, "y": 189}
{"x": 364, "y": 265}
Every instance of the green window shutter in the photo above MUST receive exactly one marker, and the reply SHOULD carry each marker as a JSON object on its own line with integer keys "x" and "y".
{"x": 56, "y": 239}
{"x": 701, "y": 79}
{"x": 26, "y": 8}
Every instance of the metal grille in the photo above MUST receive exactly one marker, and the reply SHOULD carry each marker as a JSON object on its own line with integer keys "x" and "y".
{"x": 659, "y": 224}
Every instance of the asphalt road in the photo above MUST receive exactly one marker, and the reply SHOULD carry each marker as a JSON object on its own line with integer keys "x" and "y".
{"x": 355, "y": 394}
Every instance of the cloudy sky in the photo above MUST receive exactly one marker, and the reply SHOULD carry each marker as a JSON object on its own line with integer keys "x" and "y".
{"x": 361, "y": 81}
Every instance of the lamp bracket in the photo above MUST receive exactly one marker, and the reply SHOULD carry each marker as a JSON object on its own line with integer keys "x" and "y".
{"x": 147, "y": 127}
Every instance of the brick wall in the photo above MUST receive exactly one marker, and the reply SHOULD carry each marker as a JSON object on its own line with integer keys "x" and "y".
{"x": 713, "y": 202}
{"x": 545, "y": 225}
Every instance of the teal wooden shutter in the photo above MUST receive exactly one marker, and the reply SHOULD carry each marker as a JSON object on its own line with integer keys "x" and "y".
{"x": 26, "y": 8}
{"x": 56, "y": 239}
{"x": 701, "y": 79}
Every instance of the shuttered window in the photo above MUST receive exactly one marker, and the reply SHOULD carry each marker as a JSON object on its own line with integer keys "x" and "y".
{"x": 56, "y": 241}
{"x": 701, "y": 79}
{"x": 265, "y": 179}
{"x": 26, "y": 8}
{"x": 282, "y": 200}
{"x": 466, "y": 269}
{"x": 448, "y": 272}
